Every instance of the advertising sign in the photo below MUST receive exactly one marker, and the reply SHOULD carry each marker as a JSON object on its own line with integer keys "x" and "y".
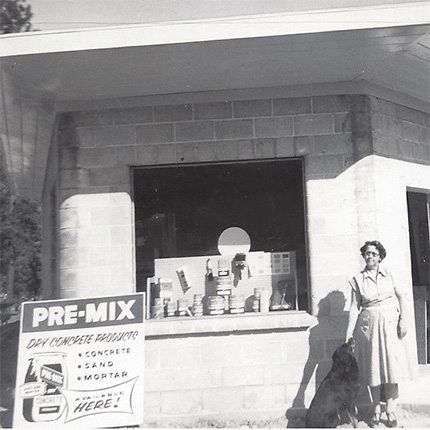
{"x": 81, "y": 363}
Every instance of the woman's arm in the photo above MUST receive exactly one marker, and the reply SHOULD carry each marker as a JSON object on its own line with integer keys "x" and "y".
{"x": 353, "y": 314}
{"x": 403, "y": 329}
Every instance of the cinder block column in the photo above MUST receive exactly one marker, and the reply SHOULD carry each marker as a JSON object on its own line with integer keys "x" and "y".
{"x": 327, "y": 141}
{"x": 95, "y": 222}
{"x": 96, "y": 245}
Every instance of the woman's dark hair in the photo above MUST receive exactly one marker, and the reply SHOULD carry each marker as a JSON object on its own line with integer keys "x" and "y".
{"x": 377, "y": 245}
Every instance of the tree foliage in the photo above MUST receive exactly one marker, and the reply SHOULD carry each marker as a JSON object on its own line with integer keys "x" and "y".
{"x": 20, "y": 241}
{"x": 15, "y": 16}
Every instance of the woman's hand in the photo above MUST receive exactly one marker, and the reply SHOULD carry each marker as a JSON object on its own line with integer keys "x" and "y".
{"x": 402, "y": 328}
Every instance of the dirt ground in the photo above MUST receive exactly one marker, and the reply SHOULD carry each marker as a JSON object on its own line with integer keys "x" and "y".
{"x": 406, "y": 419}
{"x": 8, "y": 358}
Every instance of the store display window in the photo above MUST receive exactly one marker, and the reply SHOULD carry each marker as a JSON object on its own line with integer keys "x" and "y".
{"x": 220, "y": 239}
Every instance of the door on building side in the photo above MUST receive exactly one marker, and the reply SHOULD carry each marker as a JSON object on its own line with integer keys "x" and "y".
{"x": 419, "y": 237}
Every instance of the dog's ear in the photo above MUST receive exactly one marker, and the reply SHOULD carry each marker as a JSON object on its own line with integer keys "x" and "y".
{"x": 347, "y": 367}
{"x": 337, "y": 354}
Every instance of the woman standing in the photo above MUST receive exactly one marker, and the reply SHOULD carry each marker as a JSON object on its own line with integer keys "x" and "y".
{"x": 377, "y": 323}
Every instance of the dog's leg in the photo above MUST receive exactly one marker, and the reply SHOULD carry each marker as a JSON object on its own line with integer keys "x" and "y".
{"x": 332, "y": 421}
{"x": 352, "y": 415}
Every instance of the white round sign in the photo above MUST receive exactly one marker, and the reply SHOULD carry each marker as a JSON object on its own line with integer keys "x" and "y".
{"x": 234, "y": 240}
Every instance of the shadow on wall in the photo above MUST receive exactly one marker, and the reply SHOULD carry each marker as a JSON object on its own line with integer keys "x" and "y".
{"x": 324, "y": 338}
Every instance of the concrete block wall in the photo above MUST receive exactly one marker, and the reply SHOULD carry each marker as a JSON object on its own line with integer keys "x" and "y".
{"x": 208, "y": 374}
{"x": 97, "y": 149}
{"x": 234, "y": 374}
{"x": 400, "y": 132}
{"x": 401, "y": 140}
{"x": 345, "y": 186}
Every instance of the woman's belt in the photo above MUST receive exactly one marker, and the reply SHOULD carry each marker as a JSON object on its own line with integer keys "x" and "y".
{"x": 385, "y": 303}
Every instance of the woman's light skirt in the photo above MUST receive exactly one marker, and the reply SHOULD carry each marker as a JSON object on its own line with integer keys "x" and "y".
{"x": 379, "y": 351}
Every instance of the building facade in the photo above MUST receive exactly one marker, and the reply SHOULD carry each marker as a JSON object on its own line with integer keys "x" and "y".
{"x": 358, "y": 166}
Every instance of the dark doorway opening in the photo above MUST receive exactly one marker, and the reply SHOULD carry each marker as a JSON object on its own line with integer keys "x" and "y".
{"x": 419, "y": 220}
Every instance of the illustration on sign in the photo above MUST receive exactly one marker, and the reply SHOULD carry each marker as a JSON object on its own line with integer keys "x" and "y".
{"x": 45, "y": 376}
{"x": 81, "y": 360}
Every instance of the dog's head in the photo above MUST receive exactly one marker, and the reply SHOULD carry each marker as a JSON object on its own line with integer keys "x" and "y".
{"x": 351, "y": 343}
{"x": 344, "y": 361}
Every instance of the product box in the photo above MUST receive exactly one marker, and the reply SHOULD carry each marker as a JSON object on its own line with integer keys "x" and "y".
{"x": 164, "y": 290}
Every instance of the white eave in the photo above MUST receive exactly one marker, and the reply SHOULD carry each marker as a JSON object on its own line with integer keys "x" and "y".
{"x": 384, "y": 45}
{"x": 224, "y": 28}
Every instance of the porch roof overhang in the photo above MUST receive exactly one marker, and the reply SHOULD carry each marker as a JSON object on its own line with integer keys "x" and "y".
{"x": 384, "y": 46}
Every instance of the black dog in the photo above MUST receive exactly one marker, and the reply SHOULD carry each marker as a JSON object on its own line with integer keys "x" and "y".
{"x": 338, "y": 391}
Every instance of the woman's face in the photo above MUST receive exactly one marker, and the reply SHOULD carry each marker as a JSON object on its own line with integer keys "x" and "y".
{"x": 371, "y": 257}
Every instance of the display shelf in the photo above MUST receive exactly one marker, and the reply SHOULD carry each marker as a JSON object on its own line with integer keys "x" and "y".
{"x": 229, "y": 323}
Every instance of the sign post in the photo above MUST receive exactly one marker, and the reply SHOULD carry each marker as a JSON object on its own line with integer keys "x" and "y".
{"x": 81, "y": 363}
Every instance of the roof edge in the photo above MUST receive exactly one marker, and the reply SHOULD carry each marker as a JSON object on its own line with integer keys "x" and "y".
{"x": 210, "y": 29}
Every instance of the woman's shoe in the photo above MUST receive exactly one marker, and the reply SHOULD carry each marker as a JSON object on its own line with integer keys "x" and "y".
{"x": 391, "y": 419}
{"x": 375, "y": 420}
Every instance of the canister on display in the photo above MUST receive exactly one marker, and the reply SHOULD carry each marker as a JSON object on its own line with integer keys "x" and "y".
{"x": 158, "y": 301}
{"x": 198, "y": 305}
{"x": 198, "y": 310}
{"x": 165, "y": 289}
{"x": 237, "y": 304}
{"x": 264, "y": 300}
{"x": 198, "y": 298}
{"x": 226, "y": 303}
{"x": 170, "y": 309}
{"x": 224, "y": 285}
{"x": 157, "y": 311}
{"x": 223, "y": 267}
{"x": 216, "y": 305}
{"x": 182, "y": 307}
{"x": 256, "y": 300}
